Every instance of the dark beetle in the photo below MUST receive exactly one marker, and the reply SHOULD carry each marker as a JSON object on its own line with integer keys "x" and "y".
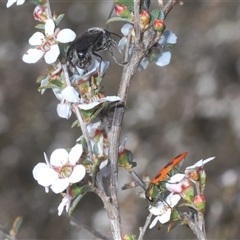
{"x": 88, "y": 45}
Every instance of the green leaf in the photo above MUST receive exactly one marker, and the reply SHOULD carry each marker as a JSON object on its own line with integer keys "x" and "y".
{"x": 40, "y": 26}
{"x": 37, "y": 2}
{"x": 75, "y": 203}
{"x": 155, "y": 14}
{"x": 175, "y": 224}
{"x": 75, "y": 124}
{"x": 95, "y": 149}
{"x": 59, "y": 18}
{"x": 16, "y": 226}
{"x": 118, "y": 19}
{"x": 57, "y": 83}
{"x": 41, "y": 77}
{"x": 78, "y": 193}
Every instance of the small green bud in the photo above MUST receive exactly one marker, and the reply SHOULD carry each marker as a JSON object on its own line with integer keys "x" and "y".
{"x": 199, "y": 202}
{"x": 122, "y": 11}
{"x": 158, "y": 25}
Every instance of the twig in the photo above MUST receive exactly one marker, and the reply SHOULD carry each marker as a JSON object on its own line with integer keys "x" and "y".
{"x": 84, "y": 129}
{"x": 144, "y": 228}
{"x": 136, "y": 21}
{"x": 112, "y": 213}
{"x": 194, "y": 225}
{"x": 66, "y": 75}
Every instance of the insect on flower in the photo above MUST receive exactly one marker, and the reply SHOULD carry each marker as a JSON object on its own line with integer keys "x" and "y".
{"x": 87, "y": 46}
{"x": 157, "y": 184}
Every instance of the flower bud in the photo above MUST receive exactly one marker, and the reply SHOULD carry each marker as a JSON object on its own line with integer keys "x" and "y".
{"x": 188, "y": 194}
{"x": 129, "y": 237}
{"x": 144, "y": 20}
{"x": 199, "y": 202}
{"x": 158, "y": 25}
{"x": 39, "y": 14}
{"x": 122, "y": 11}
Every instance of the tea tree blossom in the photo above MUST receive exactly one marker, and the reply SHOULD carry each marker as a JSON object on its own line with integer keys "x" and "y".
{"x": 66, "y": 96}
{"x": 163, "y": 56}
{"x": 62, "y": 170}
{"x": 198, "y": 165}
{"x": 47, "y": 44}
{"x": 177, "y": 183}
{"x": 163, "y": 209}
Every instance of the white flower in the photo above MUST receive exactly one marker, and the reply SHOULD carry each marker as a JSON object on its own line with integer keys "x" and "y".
{"x": 11, "y": 2}
{"x": 66, "y": 202}
{"x": 177, "y": 183}
{"x": 47, "y": 44}
{"x": 198, "y": 165}
{"x": 62, "y": 169}
{"x": 164, "y": 56}
{"x": 66, "y": 96}
{"x": 163, "y": 210}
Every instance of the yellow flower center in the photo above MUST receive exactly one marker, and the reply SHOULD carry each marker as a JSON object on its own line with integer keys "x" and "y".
{"x": 66, "y": 171}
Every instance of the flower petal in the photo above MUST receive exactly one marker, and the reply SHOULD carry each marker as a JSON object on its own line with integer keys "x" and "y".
{"x": 37, "y": 168}
{"x": 168, "y": 37}
{"x": 165, "y": 217}
{"x": 126, "y": 29}
{"x": 64, "y": 110}
{"x": 66, "y": 202}
{"x": 52, "y": 55}
{"x": 200, "y": 163}
{"x": 154, "y": 222}
{"x": 88, "y": 106}
{"x": 66, "y": 35}
{"x": 163, "y": 58}
{"x": 78, "y": 174}
{"x": 32, "y": 55}
{"x": 20, "y": 2}
{"x": 122, "y": 43}
{"x": 60, "y": 185}
{"x": 143, "y": 64}
{"x": 111, "y": 99}
{"x": 36, "y": 39}
{"x": 10, "y": 3}
{"x": 70, "y": 94}
{"x": 173, "y": 199}
{"x": 177, "y": 184}
{"x": 44, "y": 175}
{"x": 75, "y": 153}
{"x": 59, "y": 157}
{"x": 104, "y": 67}
{"x": 49, "y": 27}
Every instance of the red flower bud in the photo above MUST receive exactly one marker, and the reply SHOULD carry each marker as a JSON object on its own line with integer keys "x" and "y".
{"x": 122, "y": 11}
{"x": 199, "y": 202}
{"x": 144, "y": 20}
{"x": 158, "y": 25}
{"x": 39, "y": 14}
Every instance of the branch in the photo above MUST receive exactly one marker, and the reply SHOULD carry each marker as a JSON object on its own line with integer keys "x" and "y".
{"x": 144, "y": 228}
{"x": 150, "y": 37}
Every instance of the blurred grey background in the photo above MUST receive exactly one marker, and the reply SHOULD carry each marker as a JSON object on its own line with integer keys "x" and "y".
{"x": 191, "y": 105}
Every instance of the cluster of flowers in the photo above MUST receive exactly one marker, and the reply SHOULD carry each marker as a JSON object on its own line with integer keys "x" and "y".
{"x": 181, "y": 187}
{"x": 67, "y": 168}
